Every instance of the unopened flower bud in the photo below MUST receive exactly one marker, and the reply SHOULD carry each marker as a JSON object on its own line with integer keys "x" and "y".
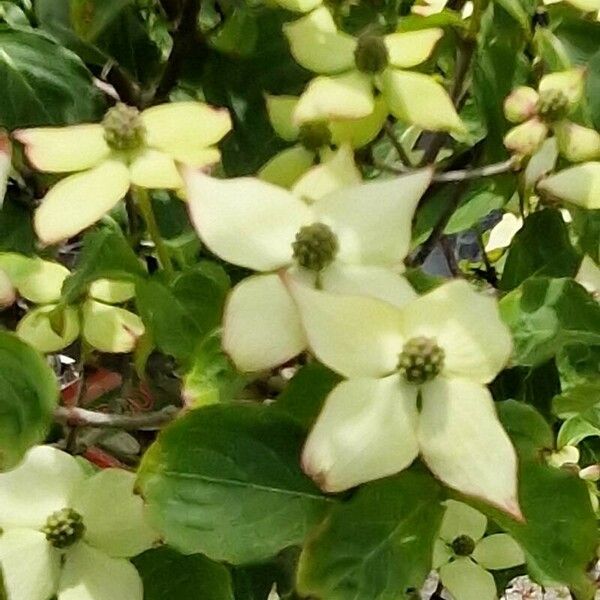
{"x": 314, "y": 135}
{"x": 577, "y": 143}
{"x": 569, "y": 84}
{"x": 526, "y": 138}
{"x": 371, "y": 54}
{"x": 463, "y": 545}
{"x": 520, "y": 104}
{"x": 8, "y": 294}
{"x": 124, "y": 130}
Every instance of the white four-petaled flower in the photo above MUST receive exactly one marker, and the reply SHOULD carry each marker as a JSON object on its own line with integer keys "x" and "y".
{"x": 255, "y": 224}
{"x": 416, "y": 385}
{"x": 70, "y": 534}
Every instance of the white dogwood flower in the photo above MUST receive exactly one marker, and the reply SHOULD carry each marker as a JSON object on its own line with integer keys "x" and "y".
{"x": 416, "y": 386}
{"x": 464, "y": 556}
{"x": 72, "y": 536}
{"x": 351, "y": 240}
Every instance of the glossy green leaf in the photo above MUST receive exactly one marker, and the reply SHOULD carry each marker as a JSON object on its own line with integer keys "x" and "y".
{"x": 28, "y": 396}
{"x": 304, "y": 395}
{"x": 376, "y": 546}
{"x": 545, "y": 315}
{"x": 225, "y": 480}
{"x": 168, "y": 575}
{"x": 577, "y": 399}
{"x": 541, "y": 247}
{"x": 47, "y": 83}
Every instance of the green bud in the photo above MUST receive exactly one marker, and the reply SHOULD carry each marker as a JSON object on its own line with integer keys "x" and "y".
{"x": 314, "y": 135}
{"x": 315, "y": 247}
{"x": 421, "y": 360}
{"x": 371, "y": 54}
{"x": 463, "y": 545}
{"x": 63, "y": 528}
{"x": 124, "y": 130}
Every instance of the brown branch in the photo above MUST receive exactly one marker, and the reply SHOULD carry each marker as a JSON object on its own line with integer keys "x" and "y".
{"x": 81, "y": 417}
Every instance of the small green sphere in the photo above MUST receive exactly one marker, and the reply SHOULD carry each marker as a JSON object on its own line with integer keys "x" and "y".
{"x": 316, "y": 246}
{"x": 314, "y": 135}
{"x": 124, "y": 130}
{"x": 421, "y": 360}
{"x": 463, "y": 545}
{"x": 63, "y": 528}
{"x": 371, "y": 54}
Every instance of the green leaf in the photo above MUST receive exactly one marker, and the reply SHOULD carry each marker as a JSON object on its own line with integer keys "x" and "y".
{"x": 47, "y": 84}
{"x": 225, "y": 480}
{"x": 578, "y": 363}
{"x": 576, "y": 429}
{"x": 211, "y": 378}
{"x": 105, "y": 254}
{"x": 28, "y": 397}
{"x": 90, "y": 18}
{"x": 527, "y": 428}
{"x": 541, "y": 247}
{"x": 168, "y": 575}
{"x": 559, "y": 535}
{"x": 378, "y": 545}
{"x": 303, "y": 397}
{"x": 181, "y": 314}
{"x": 16, "y": 231}
{"x": 547, "y": 314}
{"x": 576, "y": 400}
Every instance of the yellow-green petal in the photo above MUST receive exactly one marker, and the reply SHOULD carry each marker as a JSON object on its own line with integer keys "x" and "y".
{"x": 80, "y": 200}
{"x": 317, "y": 45}
{"x": 466, "y": 580}
{"x": 360, "y": 132}
{"x": 498, "y": 551}
{"x": 411, "y": 48}
{"x": 112, "y": 291}
{"x": 110, "y": 328}
{"x": 348, "y": 96}
{"x": 589, "y": 275}
{"x": 8, "y": 293}
{"x": 338, "y": 171}
{"x": 585, "y": 5}
{"x": 286, "y": 167}
{"x": 420, "y": 100}
{"x": 37, "y": 280}
{"x": 180, "y": 128}
{"x": 578, "y": 185}
{"x": 281, "y": 111}
{"x": 527, "y": 137}
{"x": 155, "y": 170}
{"x": 577, "y": 143}
{"x": 462, "y": 519}
{"x": 64, "y": 149}
{"x": 35, "y": 329}
{"x": 521, "y": 104}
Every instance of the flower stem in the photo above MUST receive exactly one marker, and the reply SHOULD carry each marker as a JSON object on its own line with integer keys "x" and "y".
{"x": 145, "y": 206}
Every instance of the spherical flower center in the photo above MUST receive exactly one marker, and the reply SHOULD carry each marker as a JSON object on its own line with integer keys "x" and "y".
{"x": 314, "y": 135}
{"x": 421, "y": 360}
{"x": 124, "y": 130}
{"x": 64, "y": 527}
{"x": 315, "y": 247}
{"x": 463, "y": 545}
{"x": 553, "y": 105}
{"x": 371, "y": 54}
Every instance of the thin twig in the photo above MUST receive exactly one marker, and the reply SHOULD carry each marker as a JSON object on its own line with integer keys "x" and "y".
{"x": 499, "y": 168}
{"x": 391, "y": 134}
{"x": 81, "y": 417}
